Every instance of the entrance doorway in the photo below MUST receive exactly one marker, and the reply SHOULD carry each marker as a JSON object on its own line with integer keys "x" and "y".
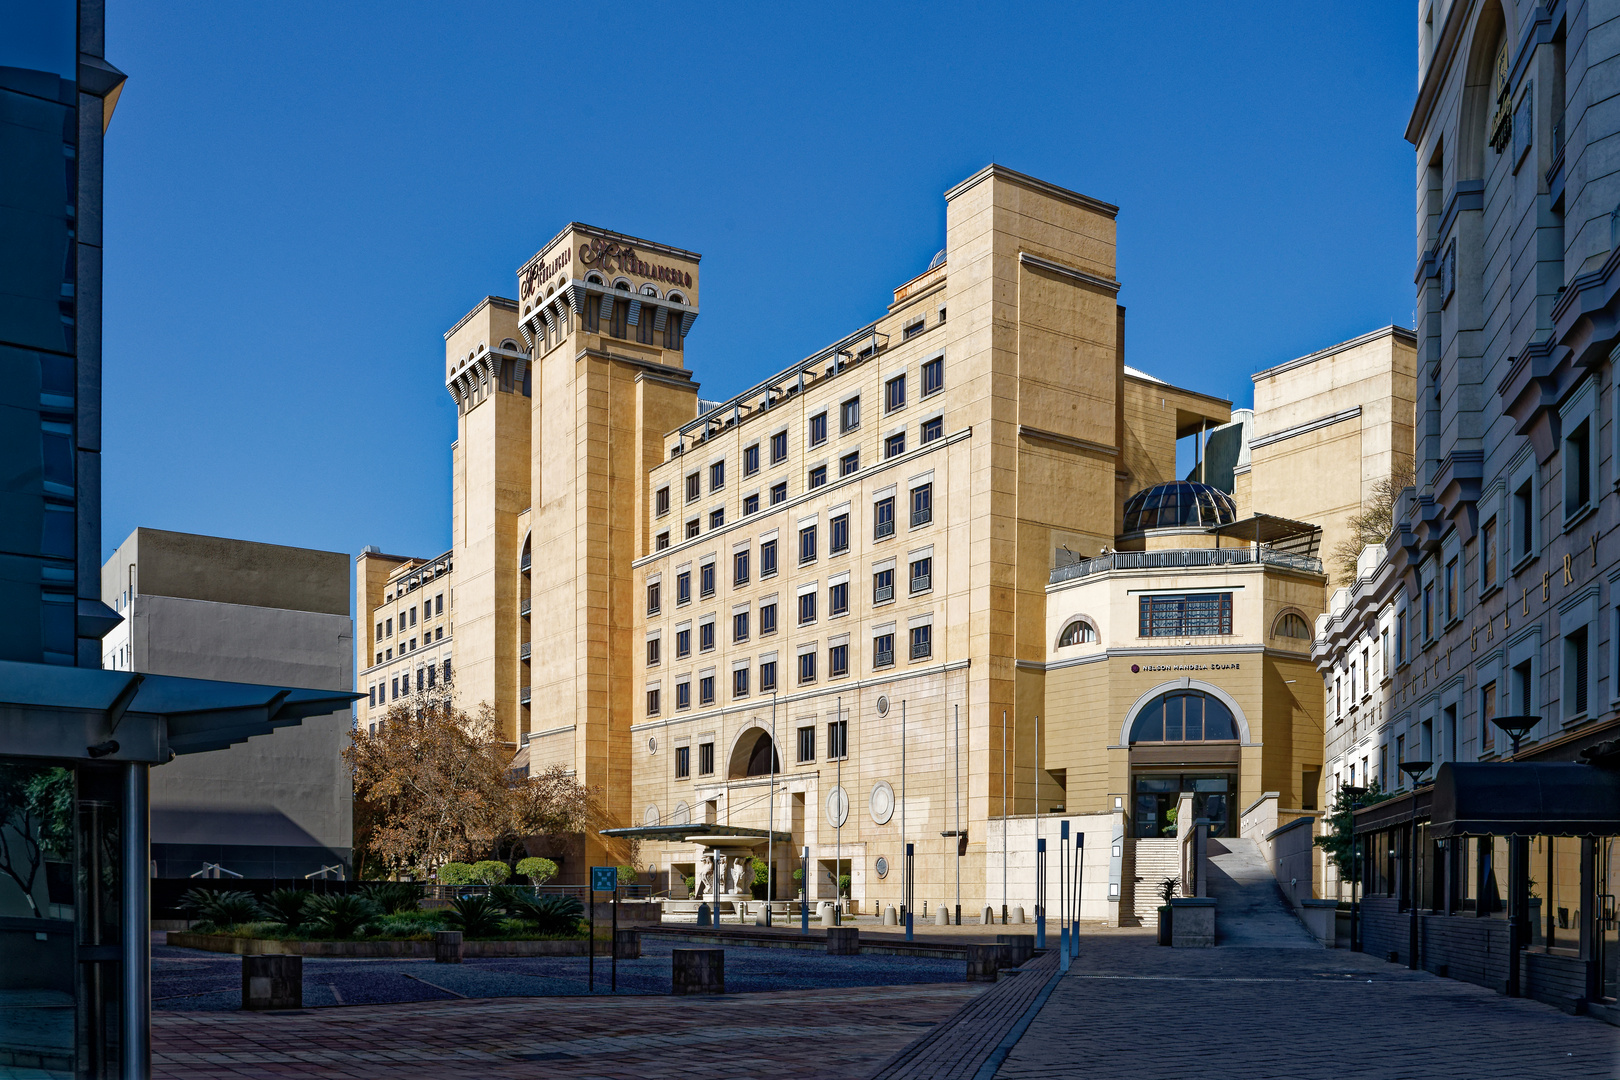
{"x": 1157, "y": 797}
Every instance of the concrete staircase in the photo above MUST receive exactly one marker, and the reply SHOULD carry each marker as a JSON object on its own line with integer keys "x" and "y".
{"x": 1249, "y": 908}
{"x": 1149, "y": 861}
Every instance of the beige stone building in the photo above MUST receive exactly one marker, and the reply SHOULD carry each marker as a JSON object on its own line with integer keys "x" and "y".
{"x": 858, "y": 574}
{"x": 403, "y": 639}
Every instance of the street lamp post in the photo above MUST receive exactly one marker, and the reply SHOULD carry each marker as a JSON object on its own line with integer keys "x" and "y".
{"x": 1414, "y": 769}
{"x": 1517, "y": 727}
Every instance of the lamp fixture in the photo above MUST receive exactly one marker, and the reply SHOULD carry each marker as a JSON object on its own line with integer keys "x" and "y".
{"x": 1517, "y": 727}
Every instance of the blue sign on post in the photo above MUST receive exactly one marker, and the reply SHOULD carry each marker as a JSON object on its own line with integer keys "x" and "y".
{"x": 604, "y": 878}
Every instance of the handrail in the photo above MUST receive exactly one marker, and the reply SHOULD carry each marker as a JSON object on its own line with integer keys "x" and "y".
{"x": 1183, "y": 558}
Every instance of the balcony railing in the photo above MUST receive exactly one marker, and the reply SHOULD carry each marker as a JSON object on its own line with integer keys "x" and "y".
{"x": 523, "y": 608}
{"x": 883, "y": 659}
{"x": 523, "y": 563}
{"x": 922, "y": 517}
{"x": 921, "y": 582}
{"x": 523, "y": 696}
{"x": 882, "y": 593}
{"x": 523, "y": 650}
{"x": 884, "y": 528}
{"x": 922, "y": 650}
{"x": 1187, "y": 558}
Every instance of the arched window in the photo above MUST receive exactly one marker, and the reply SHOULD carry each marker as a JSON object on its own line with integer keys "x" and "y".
{"x": 676, "y": 298}
{"x": 594, "y": 278}
{"x": 1078, "y": 632}
{"x": 1292, "y": 625}
{"x": 1184, "y": 716}
{"x": 649, "y": 290}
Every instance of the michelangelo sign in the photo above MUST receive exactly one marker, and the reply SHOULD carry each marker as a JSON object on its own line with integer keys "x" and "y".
{"x": 622, "y": 257}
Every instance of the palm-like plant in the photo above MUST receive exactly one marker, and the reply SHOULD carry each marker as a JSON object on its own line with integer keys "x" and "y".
{"x": 341, "y": 914}
{"x": 475, "y": 915}
{"x": 395, "y": 897}
{"x": 552, "y": 914}
{"x": 220, "y": 908}
{"x": 288, "y": 907}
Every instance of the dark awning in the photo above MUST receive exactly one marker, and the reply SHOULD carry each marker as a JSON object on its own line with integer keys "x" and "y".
{"x": 1266, "y": 529}
{"x": 1402, "y": 809}
{"x": 679, "y": 833}
{"x": 1525, "y": 798}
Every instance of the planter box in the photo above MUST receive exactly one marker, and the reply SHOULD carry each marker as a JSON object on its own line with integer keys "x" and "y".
{"x": 424, "y": 950}
{"x": 1193, "y": 924}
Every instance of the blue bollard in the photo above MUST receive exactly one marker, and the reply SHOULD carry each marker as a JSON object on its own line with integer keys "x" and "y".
{"x": 908, "y": 925}
{"x": 1063, "y": 950}
{"x": 1040, "y": 930}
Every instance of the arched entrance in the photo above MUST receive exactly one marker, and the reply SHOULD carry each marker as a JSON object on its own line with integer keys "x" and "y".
{"x": 754, "y": 755}
{"x": 1184, "y": 739}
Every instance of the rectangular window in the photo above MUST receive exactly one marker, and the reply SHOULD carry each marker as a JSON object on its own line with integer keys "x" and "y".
{"x": 389, "y": 623}
{"x": 1524, "y": 521}
{"x": 922, "y": 575}
{"x": 739, "y": 626}
{"x": 413, "y": 617}
{"x": 779, "y": 493}
{"x": 883, "y": 586}
{"x": 837, "y": 661}
{"x": 717, "y": 476}
{"x": 838, "y": 534}
{"x": 807, "y": 744}
{"x": 662, "y": 542}
{"x": 932, "y": 429}
{"x": 1453, "y": 601}
{"x": 591, "y": 313}
{"x": 644, "y": 325}
{"x": 1576, "y": 653}
{"x": 767, "y": 558}
{"x": 683, "y": 695}
{"x": 438, "y": 604}
{"x": 706, "y": 579}
{"x": 653, "y": 593}
{"x": 849, "y": 463}
{"x": 894, "y": 445}
{"x": 778, "y": 448}
{"x": 894, "y": 393}
{"x": 683, "y": 643}
{"x": 751, "y": 460}
{"x": 694, "y": 487}
{"x": 706, "y": 756}
{"x": 661, "y": 501}
{"x": 394, "y": 685}
{"x": 672, "y": 330}
{"x": 683, "y": 762}
{"x": 652, "y": 651}
{"x": 652, "y": 703}
{"x": 739, "y": 682}
{"x": 837, "y": 739}
{"x": 706, "y": 697}
{"x": 883, "y": 651}
{"x": 1523, "y": 703}
{"x": 692, "y": 529}
{"x": 807, "y": 544}
{"x": 751, "y": 504}
{"x": 849, "y": 415}
{"x": 1487, "y": 555}
{"x": 379, "y": 631}
{"x": 1400, "y": 637}
{"x": 705, "y": 637}
{"x": 818, "y": 477}
{"x": 1186, "y": 616}
{"x": 620, "y": 326}
{"x": 807, "y": 608}
{"x": 1487, "y": 714}
{"x": 767, "y": 618}
{"x": 1578, "y": 469}
{"x": 838, "y": 599}
{"x": 807, "y": 667}
{"x": 683, "y": 587}
{"x": 883, "y": 518}
{"x": 767, "y": 676}
{"x": 739, "y": 568}
{"x": 818, "y": 429}
{"x": 922, "y": 642}
{"x": 717, "y": 518}
{"x": 922, "y": 505}
{"x": 933, "y": 376}
{"x": 913, "y": 329}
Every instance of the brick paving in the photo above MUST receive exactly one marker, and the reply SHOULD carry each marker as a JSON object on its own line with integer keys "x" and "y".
{"x": 800, "y": 1034}
{"x": 1129, "y": 1009}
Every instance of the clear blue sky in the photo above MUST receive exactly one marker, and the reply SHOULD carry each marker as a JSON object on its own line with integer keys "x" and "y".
{"x": 302, "y": 197}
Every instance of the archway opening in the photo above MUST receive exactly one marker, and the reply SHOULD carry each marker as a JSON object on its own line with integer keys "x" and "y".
{"x": 755, "y": 757}
{"x": 1184, "y": 763}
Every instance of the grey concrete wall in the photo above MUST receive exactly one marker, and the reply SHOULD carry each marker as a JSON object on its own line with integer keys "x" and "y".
{"x": 229, "y": 572}
{"x": 285, "y": 790}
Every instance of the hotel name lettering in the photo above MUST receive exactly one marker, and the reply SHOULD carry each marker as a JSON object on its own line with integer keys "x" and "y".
{"x": 1190, "y": 667}
{"x": 622, "y": 257}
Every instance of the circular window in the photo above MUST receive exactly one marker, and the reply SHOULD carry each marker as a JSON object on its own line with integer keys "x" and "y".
{"x": 837, "y": 807}
{"x": 652, "y": 745}
{"x": 882, "y": 705}
{"x": 882, "y": 802}
{"x": 882, "y": 867}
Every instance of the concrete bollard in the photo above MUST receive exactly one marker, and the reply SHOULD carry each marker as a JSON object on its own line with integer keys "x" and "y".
{"x": 942, "y": 916}
{"x": 889, "y": 917}
{"x": 272, "y": 982}
{"x": 762, "y": 915}
{"x": 843, "y": 941}
{"x": 704, "y": 916}
{"x": 447, "y": 947}
{"x": 828, "y": 918}
{"x": 697, "y": 971}
{"x": 1017, "y": 916}
{"x": 1017, "y": 949}
{"x": 627, "y": 945}
{"x": 989, "y": 916}
{"x": 983, "y": 961}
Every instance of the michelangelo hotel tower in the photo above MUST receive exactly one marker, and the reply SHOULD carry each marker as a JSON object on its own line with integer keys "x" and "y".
{"x": 917, "y": 587}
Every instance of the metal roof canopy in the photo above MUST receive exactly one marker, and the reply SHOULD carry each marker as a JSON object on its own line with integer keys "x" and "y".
{"x": 1525, "y": 798}
{"x": 64, "y": 712}
{"x": 679, "y": 833}
{"x": 1266, "y": 529}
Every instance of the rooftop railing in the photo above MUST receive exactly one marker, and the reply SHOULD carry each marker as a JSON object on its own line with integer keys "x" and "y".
{"x": 1186, "y": 558}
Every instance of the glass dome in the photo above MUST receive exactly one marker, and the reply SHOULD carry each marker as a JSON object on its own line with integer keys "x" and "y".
{"x": 1179, "y": 504}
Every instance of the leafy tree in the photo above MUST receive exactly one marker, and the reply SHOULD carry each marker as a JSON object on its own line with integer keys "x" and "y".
{"x": 1373, "y": 523}
{"x": 36, "y": 821}
{"x": 490, "y": 872}
{"x": 457, "y": 873}
{"x": 537, "y": 870}
{"x": 627, "y": 875}
{"x": 1339, "y": 843}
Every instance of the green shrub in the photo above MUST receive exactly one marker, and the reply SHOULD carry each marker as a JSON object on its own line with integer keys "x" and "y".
{"x": 420, "y": 925}
{"x": 456, "y": 873}
{"x": 341, "y": 915}
{"x": 287, "y": 907}
{"x": 394, "y": 896}
{"x": 490, "y": 872}
{"x": 691, "y": 886}
{"x": 537, "y": 870}
{"x": 221, "y": 909}
{"x": 843, "y": 884}
{"x": 628, "y": 874}
{"x": 551, "y": 913}
{"x": 475, "y": 915}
